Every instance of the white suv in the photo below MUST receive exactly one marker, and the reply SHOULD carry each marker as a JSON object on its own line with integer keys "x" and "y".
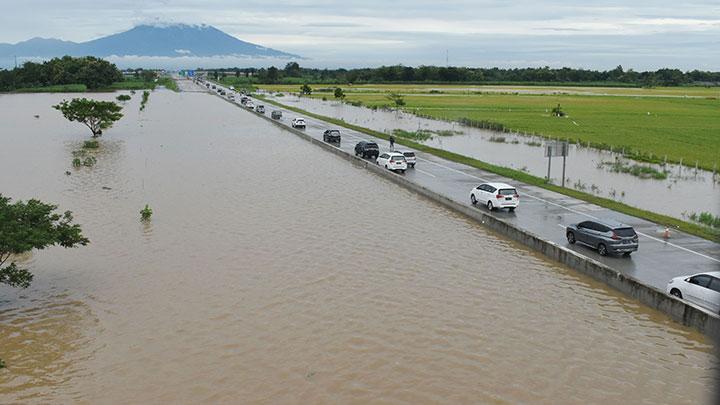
{"x": 700, "y": 289}
{"x": 495, "y": 195}
{"x": 409, "y": 157}
{"x": 392, "y": 161}
{"x": 298, "y": 123}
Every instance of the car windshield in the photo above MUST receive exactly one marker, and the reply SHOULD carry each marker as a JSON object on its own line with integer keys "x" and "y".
{"x": 397, "y": 158}
{"x": 625, "y": 232}
{"x": 371, "y": 146}
{"x": 409, "y": 154}
{"x": 507, "y": 191}
{"x": 334, "y": 131}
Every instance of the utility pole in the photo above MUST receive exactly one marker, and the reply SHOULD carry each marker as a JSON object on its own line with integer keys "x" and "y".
{"x": 447, "y": 58}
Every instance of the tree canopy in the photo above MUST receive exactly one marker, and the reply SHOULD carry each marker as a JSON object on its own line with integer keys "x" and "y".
{"x": 96, "y": 115}
{"x": 295, "y": 74}
{"x": 91, "y": 71}
{"x": 25, "y": 226}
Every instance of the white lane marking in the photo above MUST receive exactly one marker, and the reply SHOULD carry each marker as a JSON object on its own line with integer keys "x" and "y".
{"x": 558, "y": 205}
{"x": 425, "y": 173}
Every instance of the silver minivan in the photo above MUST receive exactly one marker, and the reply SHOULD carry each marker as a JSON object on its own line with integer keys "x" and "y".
{"x": 607, "y": 236}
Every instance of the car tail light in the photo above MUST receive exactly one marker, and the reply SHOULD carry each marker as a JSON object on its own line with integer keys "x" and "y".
{"x": 516, "y": 195}
{"x": 499, "y": 196}
{"x": 615, "y": 236}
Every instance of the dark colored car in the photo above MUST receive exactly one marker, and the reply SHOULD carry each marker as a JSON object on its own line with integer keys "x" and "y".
{"x": 367, "y": 150}
{"x": 276, "y": 114}
{"x": 244, "y": 100}
{"x": 331, "y": 135}
{"x": 607, "y": 236}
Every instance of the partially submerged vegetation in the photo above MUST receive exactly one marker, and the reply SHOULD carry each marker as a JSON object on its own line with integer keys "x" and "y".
{"x": 145, "y": 98}
{"x": 706, "y": 218}
{"x": 146, "y": 213}
{"x": 641, "y": 171}
{"x": 689, "y": 227}
{"x": 646, "y": 129}
{"x": 94, "y": 114}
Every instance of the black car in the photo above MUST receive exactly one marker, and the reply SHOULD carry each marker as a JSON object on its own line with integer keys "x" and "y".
{"x": 367, "y": 150}
{"x": 607, "y": 236}
{"x": 331, "y": 135}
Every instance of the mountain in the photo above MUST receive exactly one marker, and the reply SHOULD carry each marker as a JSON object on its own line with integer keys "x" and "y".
{"x": 171, "y": 40}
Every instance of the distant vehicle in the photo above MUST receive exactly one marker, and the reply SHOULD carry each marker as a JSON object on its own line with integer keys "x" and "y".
{"x": 607, "y": 236}
{"x": 409, "y": 158}
{"x": 392, "y": 161}
{"x": 244, "y": 100}
{"x": 368, "y": 150}
{"x": 298, "y": 123}
{"x": 222, "y": 92}
{"x": 232, "y": 88}
{"x": 331, "y": 135}
{"x": 250, "y": 105}
{"x": 276, "y": 114}
{"x": 495, "y": 195}
{"x": 700, "y": 289}
{"x": 231, "y": 97}
{"x": 213, "y": 87}
{"x": 260, "y": 109}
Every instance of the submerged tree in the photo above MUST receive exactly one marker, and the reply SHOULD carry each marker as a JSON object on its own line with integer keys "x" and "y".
{"x": 96, "y": 115}
{"x": 25, "y": 226}
{"x": 305, "y": 89}
{"x": 339, "y": 93}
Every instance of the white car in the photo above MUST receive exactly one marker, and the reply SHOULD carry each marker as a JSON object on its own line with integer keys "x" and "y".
{"x": 250, "y": 105}
{"x": 409, "y": 157}
{"x": 298, "y": 123}
{"x": 392, "y": 161}
{"x": 495, "y": 195}
{"x": 700, "y": 289}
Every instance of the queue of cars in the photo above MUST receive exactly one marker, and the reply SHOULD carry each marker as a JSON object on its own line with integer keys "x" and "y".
{"x": 608, "y": 237}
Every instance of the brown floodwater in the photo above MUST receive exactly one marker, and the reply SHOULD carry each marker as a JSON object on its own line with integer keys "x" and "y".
{"x": 275, "y": 272}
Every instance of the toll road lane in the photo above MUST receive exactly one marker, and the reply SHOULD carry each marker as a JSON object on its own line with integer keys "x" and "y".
{"x": 545, "y": 213}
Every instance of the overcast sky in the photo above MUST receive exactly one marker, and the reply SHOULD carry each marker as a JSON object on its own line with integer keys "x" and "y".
{"x": 592, "y": 33}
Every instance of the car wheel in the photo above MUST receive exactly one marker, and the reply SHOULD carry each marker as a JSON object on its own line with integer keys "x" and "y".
{"x": 473, "y": 200}
{"x": 511, "y": 209}
{"x": 676, "y": 293}
{"x": 490, "y": 206}
{"x": 626, "y": 254}
{"x": 402, "y": 171}
{"x": 602, "y": 249}
{"x": 386, "y": 166}
{"x": 570, "y": 238}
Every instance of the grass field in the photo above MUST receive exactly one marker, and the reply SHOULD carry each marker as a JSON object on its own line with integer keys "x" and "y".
{"x": 650, "y": 127}
{"x": 61, "y": 88}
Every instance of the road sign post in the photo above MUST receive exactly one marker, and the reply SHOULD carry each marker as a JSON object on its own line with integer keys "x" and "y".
{"x": 556, "y": 149}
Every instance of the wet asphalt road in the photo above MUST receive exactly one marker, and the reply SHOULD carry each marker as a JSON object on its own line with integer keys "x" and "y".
{"x": 544, "y": 213}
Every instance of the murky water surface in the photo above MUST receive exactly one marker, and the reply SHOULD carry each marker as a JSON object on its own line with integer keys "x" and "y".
{"x": 586, "y": 169}
{"x": 274, "y": 272}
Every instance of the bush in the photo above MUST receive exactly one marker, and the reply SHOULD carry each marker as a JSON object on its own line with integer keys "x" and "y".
{"x": 146, "y": 213}
{"x": 92, "y": 144}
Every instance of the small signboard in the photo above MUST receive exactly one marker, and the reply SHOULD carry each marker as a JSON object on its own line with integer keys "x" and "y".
{"x": 556, "y": 149}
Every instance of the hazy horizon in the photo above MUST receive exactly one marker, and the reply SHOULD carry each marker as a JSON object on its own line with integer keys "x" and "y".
{"x": 642, "y": 36}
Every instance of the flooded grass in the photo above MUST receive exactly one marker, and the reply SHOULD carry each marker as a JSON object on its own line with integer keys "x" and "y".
{"x": 648, "y": 129}
{"x": 420, "y": 135}
{"x": 706, "y": 218}
{"x": 92, "y": 144}
{"x": 497, "y": 139}
{"x": 641, "y": 171}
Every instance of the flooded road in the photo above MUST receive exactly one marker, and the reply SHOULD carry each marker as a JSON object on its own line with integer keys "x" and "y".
{"x": 275, "y": 272}
{"x": 587, "y": 169}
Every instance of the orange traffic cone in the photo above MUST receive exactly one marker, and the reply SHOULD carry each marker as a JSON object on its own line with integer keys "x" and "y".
{"x": 666, "y": 233}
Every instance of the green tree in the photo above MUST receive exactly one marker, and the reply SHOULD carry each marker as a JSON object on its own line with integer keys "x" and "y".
{"x": 25, "y": 226}
{"x": 339, "y": 93}
{"x": 292, "y": 69}
{"x": 148, "y": 75}
{"x": 305, "y": 89}
{"x": 273, "y": 74}
{"x": 396, "y": 98}
{"x": 96, "y": 115}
